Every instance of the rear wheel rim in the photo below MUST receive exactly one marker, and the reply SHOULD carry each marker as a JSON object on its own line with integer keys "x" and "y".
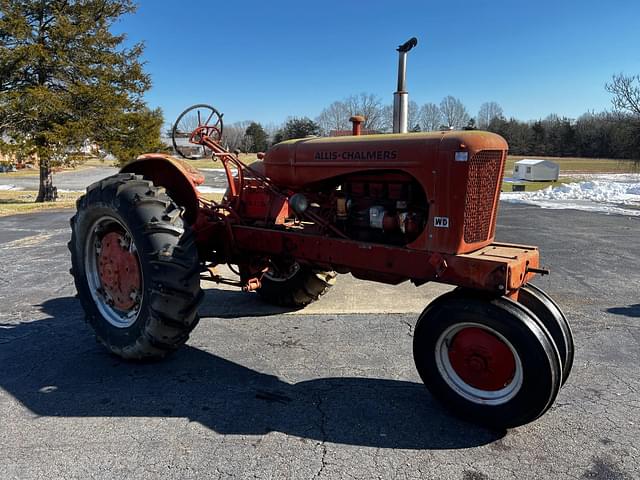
{"x": 479, "y": 364}
{"x": 113, "y": 271}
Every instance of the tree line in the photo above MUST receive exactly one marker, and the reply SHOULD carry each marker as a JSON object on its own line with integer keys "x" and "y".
{"x": 594, "y": 135}
{"x": 614, "y": 134}
{"x": 334, "y": 119}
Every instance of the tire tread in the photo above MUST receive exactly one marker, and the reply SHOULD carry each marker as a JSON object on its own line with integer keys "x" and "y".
{"x": 175, "y": 279}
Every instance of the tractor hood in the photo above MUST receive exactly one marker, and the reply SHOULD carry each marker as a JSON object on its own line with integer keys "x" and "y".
{"x": 296, "y": 163}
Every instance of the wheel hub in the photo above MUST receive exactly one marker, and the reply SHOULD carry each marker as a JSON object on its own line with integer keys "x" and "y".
{"x": 481, "y": 359}
{"x": 281, "y": 273}
{"x": 119, "y": 271}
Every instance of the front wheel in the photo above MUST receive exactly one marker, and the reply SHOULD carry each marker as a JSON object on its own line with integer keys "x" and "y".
{"x": 293, "y": 285}
{"x": 135, "y": 267}
{"x": 550, "y": 314}
{"x": 488, "y": 360}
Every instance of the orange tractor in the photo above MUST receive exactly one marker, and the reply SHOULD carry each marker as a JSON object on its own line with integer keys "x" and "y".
{"x": 387, "y": 208}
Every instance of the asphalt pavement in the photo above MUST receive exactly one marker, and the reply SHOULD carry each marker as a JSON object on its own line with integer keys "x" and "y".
{"x": 329, "y": 392}
{"x": 75, "y": 181}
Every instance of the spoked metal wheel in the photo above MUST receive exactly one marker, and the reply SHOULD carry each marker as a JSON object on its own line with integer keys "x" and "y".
{"x": 489, "y": 360}
{"x": 113, "y": 272}
{"x": 479, "y": 363}
{"x": 191, "y": 125}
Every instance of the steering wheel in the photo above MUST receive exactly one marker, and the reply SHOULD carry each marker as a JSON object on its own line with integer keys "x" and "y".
{"x": 191, "y": 126}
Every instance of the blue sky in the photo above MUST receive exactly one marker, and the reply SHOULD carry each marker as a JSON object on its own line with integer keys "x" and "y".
{"x": 267, "y": 60}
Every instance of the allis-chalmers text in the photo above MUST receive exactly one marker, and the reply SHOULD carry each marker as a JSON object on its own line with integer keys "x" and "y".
{"x": 373, "y": 155}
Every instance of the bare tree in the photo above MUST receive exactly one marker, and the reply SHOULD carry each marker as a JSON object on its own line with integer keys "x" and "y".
{"x": 234, "y": 135}
{"x": 626, "y": 93}
{"x": 430, "y": 117}
{"x": 488, "y": 111}
{"x": 271, "y": 128}
{"x": 387, "y": 115}
{"x": 453, "y": 112}
{"x": 370, "y": 106}
{"x": 334, "y": 117}
{"x": 413, "y": 117}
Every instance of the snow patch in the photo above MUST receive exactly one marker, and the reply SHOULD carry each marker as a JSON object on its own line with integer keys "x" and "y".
{"x": 10, "y": 187}
{"x": 208, "y": 189}
{"x": 612, "y": 193}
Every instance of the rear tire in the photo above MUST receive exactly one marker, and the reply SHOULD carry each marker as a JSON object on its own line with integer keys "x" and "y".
{"x": 145, "y": 314}
{"x": 299, "y": 286}
{"x": 487, "y": 360}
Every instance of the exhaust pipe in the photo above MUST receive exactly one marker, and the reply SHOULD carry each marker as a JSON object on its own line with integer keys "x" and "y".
{"x": 401, "y": 96}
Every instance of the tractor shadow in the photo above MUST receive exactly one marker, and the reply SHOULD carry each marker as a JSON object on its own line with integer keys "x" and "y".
{"x": 55, "y": 368}
{"x": 235, "y": 303}
{"x": 632, "y": 311}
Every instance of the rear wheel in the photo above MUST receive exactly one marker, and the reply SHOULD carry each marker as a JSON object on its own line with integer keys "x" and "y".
{"x": 294, "y": 285}
{"x": 488, "y": 360}
{"x": 135, "y": 266}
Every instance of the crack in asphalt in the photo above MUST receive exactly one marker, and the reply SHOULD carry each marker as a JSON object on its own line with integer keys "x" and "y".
{"x": 323, "y": 435}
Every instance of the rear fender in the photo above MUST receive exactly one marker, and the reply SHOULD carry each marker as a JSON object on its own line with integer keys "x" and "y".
{"x": 178, "y": 177}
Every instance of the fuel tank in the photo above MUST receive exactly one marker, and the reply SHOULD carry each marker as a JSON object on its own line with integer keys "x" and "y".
{"x": 459, "y": 171}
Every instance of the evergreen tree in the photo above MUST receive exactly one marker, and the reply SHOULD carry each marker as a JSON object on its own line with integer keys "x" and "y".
{"x": 257, "y": 137}
{"x": 297, "y": 128}
{"x": 65, "y": 79}
{"x": 278, "y": 137}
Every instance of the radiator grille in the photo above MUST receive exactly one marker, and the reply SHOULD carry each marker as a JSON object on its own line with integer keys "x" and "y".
{"x": 485, "y": 178}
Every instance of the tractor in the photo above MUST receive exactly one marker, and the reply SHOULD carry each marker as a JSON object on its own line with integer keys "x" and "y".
{"x": 389, "y": 208}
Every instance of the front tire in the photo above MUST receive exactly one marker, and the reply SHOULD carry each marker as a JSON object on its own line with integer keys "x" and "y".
{"x": 135, "y": 266}
{"x": 294, "y": 285}
{"x": 551, "y": 316}
{"x": 488, "y": 360}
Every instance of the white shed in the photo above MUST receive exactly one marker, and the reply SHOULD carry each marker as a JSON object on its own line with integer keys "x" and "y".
{"x": 536, "y": 170}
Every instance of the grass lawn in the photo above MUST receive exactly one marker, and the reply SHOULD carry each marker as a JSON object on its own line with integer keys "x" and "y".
{"x": 533, "y": 186}
{"x": 14, "y": 202}
{"x": 571, "y": 166}
{"x": 34, "y": 172}
{"x": 246, "y": 158}
{"x": 23, "y": 172}
{"x": 96, "y": 162}
{"x": 216, "y": 197}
